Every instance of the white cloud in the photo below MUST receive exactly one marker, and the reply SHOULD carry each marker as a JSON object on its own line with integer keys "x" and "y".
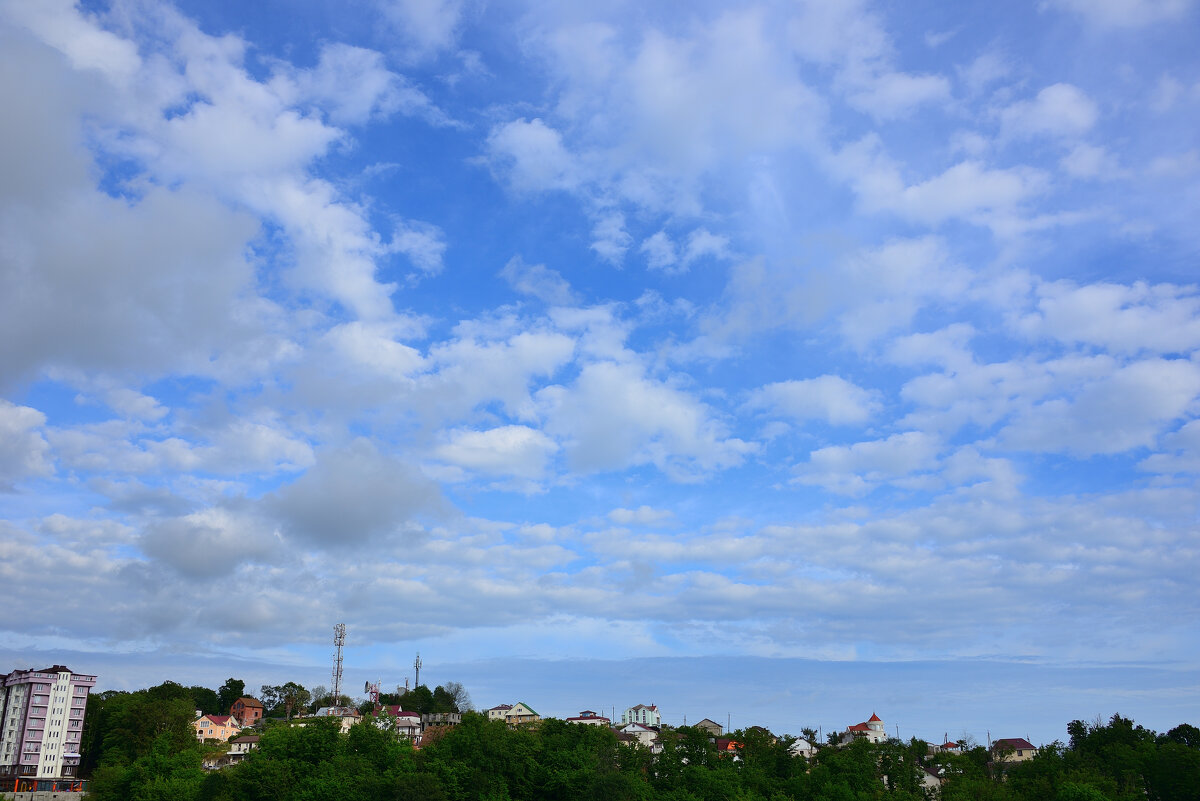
{"x": 539, "y": 281}
{"x": 948, "y": 348}
{"x": 354, "y": 85}
{"x": 853, "y": 39}
{"x": 829, "y": 398}
{"x": 641, "y": 516}
{"x": 422, "y": 243}
{"x": 1117, "y": 412}
{"x": 24, "y": 452}
{"x": 660, "y": 252}
{"x": 517, "y": 451}
{"x": 1124, "y": 13}
{"x": 1090, "y": 161}
{"x": 1060, "y": 110}
{"x": 610, "y": 240}
{"x": 427, "y": 26}
{"x": 969, "y": 190}
{"x": 1161, "y": 318}
{"x": 531, "y": 155}
{"x": 1179, "y": 452}
{"x": 614, "y": 417}
{"x": 857, "y": 469}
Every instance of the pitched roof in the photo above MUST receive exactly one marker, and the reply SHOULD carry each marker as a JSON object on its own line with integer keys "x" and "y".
{"x": 874, "y": 718}
{"x": 218, "y": 719}
{"x": 858, "y": 727}
{"x": 498, "y": 707}
{"x": 249, "y": 701}
{"x": 1019, "y": 743}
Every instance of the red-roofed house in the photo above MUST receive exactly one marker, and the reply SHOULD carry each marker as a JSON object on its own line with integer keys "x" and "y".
{"x": 871, "y": 730}
{"x": 589, "y": 718}
{"x": 247, "y": 710}
{"x": 216, "y": 727}
{"x": 408, "y": 724}
{"x": 1013, "y": 749}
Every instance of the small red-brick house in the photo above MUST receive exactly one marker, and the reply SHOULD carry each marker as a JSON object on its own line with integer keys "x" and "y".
{"x": 247, "y": 710}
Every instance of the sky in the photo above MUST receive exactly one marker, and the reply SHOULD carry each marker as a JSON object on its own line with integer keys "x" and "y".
{"x": 805, "y": 359}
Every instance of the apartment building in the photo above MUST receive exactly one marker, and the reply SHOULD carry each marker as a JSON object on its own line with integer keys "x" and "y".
{"x": 41, "y": 722}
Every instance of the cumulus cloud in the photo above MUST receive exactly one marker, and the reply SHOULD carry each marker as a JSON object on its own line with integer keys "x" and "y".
{"x": 539, "y": 281}
{"x": 24, "y": 452}
{"x": 517, "y": 451}
{"x": 614, "y": 417}
{"x": 1123, "y": 318}
{"x": 1061, "y": 110}
{"x": 211, "y": 543}
{"x": 853, "y": 38}
{"x": 351, "y": 495}
{"x": 642, "y": 516}
{"x": 426, "y": 26}
{"x": 829, "y": 398}
{"x": 1112, "y": 413}
{"x": 857, "y": 469}
{"x": 531, "y": 156}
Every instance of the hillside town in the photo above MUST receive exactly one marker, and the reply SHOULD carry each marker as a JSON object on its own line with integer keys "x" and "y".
{"x": 42, "y": 719}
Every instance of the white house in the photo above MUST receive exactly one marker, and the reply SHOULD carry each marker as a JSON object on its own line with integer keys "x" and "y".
{"x": 643, "y": 734}
{"x": 871, "y": 730}
{"x": 589, "y": 718}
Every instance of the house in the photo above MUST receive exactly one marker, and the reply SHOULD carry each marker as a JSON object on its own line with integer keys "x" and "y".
{"x": 931, "y": 783}
{"x": 498, "y": 712}
{"x": 519, "y": 714}
{"x": 247, "y": 710}
{"x": 713, "y": 728}
{"x": 348, "y": 714}
{"x": 647, "y": 715}
{"x": 948, "y": 747}
{"x": 802, "y": 748}
{"x": 407, "y": 724}
{"x": 440, "y": 719}
{"x": 643, "y": 735}
{"x": 589, "y": 718}
{"x": 239, "y": 747}
{"x": 1013, "y": 749}
{"x": 41, "y": 723}
{"x": 216, "y": 727}
{"x": 871, "y": 730}
{"x": 729, "y": 748}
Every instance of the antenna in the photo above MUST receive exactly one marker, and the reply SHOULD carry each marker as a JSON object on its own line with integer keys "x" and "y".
{"x": 417, "y": 668}
{"x": 339, "y": 639}
{"x": 372, "y": 691}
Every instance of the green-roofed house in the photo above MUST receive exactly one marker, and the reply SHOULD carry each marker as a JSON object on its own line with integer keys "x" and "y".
{"x": 520, "y": 714}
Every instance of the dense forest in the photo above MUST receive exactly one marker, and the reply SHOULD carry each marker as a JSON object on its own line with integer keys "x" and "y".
{"x": 140, "y": 746}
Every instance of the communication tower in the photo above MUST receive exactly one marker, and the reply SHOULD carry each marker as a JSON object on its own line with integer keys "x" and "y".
{"x": 372, "y": 691}
{"x": 339, "y": 639}
{"x": 417, "y": 668}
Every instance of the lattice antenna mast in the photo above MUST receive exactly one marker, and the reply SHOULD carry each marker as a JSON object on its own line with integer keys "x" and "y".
{"x": 339, "y": 639}
{"x": 417, "y": 668}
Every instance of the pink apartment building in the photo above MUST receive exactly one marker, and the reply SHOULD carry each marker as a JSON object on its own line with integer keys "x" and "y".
{"x": 41, "y": 722}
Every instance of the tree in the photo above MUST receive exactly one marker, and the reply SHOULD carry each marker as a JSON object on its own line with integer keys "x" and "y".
{"x": 230, "y": 691}
{"x": 460, "y": 697}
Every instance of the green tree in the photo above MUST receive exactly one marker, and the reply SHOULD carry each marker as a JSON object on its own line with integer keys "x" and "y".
{"x": 229, "y": 692}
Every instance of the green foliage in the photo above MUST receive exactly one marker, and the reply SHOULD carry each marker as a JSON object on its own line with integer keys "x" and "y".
{"x": 229, "y": 692}
{"x": 147, "y": 753}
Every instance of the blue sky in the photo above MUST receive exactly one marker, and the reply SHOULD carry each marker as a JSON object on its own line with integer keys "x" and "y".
{"x": 833, "y": 336}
